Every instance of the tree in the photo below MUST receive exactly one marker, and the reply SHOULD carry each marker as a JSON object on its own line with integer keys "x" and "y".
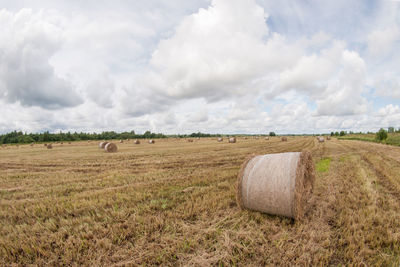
{"x": 342, "y": 133}
{"x": 332, "y": 133}
{"x": 381, "y": 135}
{"x": 272, "y": 134}
{"x": 391, "y": 130}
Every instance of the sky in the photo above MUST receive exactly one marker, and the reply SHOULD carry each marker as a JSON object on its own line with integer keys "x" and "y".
{"x": 215, "y": 66}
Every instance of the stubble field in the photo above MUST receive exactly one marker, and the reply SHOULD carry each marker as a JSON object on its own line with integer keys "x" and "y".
{"x": 173, "y": 203}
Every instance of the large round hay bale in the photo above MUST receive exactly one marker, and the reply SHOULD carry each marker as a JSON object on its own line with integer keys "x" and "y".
{"x": 321, "y": 139}
{"x": 151, "y": 141}
{"x": 328, "y": 138}
{"x": 266, "y": 138}
{"x": 49, "y": 146}
{"x": 232, "y": 140}
{"x": 220, "y": 139}
{"x": 284, "y": 139}
{"x": 111, "y": 148}
{"x": 102, "y": 145}
{"x": 279, "y": 184}
{"x": 136, "y": 142}
{"x": 45, "y": 145}
{"x": 190, "y": 140}
{"x": 121, "y": 141}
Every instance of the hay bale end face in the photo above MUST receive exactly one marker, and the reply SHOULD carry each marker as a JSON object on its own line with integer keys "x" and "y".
{"x": 220, "y": 139}
{"x": 49, "y": 146}
{"x": 102, "y": 145}
{"x": 111, "y": 148}
{"x": 279, "y": 184}
{"x": 321, "y": 139}
{"x": 232, "y": 140}
{"x": 151, "y": 141}
{"x": 267, "y": 138}
{"x": 284, "y": 139}
{"x": 328, "y": 138}
{"x": 136, "y": 142}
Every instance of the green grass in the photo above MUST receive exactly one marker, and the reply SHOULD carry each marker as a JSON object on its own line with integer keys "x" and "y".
{"x": 323, "y": 165}
{"x": 393, "y": 138}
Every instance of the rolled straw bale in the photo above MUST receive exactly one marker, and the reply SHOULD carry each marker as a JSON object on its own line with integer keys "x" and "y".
{"x": 232, "y": 140}
{"x": 121, "y": 141}
{"x": 279, "y": 184}
{"x": 266, "y": 138}
{"x": 220, "y": 139}
{"x": 151, "y": 141}
{"x": 32, "y": 144}
{"x": 321, "y": 139}
{"x": 102, "y": 145}
{"x": 111, "y": 148}
{"x": 49, "y": 146}
{"x": 284, "y": 139}
{"x": 328, "y": 138}
{"x": 190, "y": 140}
{"x": 136, "y": 142}
{"x": 45, "y": 145}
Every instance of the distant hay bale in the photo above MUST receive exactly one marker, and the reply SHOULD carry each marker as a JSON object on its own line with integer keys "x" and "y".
{"x": 284, "y": 139}
{"x": 32, "y": 144}
{"x": 220, "y": 139}
{"x": 121, "y": 141}
{"x": 321, "y": 139}
{"x": 279, "y": 184}
{"x": 190, "y": 140}
{"x": 111, "y": 148}
{"x": 328, "y": 138}
{"x": 151, "y": 141}
{"x": 69, "y": 143}
{"x": 49, "y": 146}
{"x": 45, "y": 144}
{"x": 266, "y": 138}
{"x": 256, "y": 137}
{"x": 232, "y": 140}
{"x": 102, "y": 145}
{"x": 136, "y": 142}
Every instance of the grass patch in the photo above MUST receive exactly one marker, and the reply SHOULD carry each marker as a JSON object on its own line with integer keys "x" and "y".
{"x": 323, "y": 165}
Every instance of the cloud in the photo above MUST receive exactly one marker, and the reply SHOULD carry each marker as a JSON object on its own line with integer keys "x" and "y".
{"x": 27, "y": 43}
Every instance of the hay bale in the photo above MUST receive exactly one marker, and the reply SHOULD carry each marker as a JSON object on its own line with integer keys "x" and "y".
{"x": 32, "y": 144}
{"x": 121, "y": 141}
{"x": 328, "y": 138}
{"x": 266, "y": 138}
{"x": 190, "y": 140}
{"x": 49, "y": 146}
{"x": 151, "y": 141}
{"x": 136, "y": 142}
{"x": 220, "y": 139}
{"x": 111, "y": 148}
{"x": 45, "y": 144}
{"x": 232, "y": 140}
{"x": 321, "y": 139}
{"x": 279, "y": 184}
{"x": 284, "y": 139}
{"x": 102, "y": 145}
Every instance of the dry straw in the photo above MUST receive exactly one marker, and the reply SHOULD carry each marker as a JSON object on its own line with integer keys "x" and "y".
{"x": 279, "y": 184}
{"x": 284, "y": 139}
{"x": 232, "y": 140}
{"x": 111, "y": 148}
{"x": 151, "y": 141}
{"x": 102, "y": 145}
{"x": 136, "y": 142}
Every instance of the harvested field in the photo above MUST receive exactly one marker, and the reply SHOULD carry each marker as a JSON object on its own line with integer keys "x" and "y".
{"x": 174, "y": 203}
